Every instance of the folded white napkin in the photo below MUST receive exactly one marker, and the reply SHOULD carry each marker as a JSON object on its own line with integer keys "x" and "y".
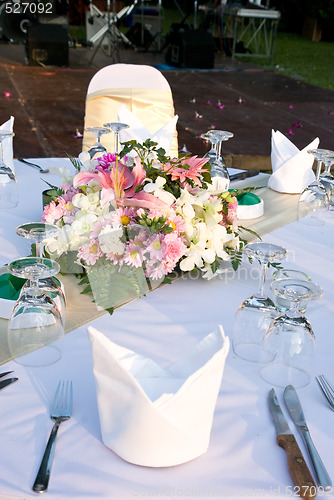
{"x": 137, "y": 131}
{"x": 153, "y": 416}
{"x": 292, "y": 168}
{"x": 8, "y": 155}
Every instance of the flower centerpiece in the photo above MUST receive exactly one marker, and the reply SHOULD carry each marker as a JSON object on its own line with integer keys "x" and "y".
{"x": 142, "y": 217}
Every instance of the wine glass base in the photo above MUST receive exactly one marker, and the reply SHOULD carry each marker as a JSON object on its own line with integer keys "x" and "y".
{"x": 248, "y": 352}
{"x": 282, "y": 375}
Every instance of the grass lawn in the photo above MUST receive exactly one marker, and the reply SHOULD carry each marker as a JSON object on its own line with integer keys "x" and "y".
{"x": 300, "y": 58}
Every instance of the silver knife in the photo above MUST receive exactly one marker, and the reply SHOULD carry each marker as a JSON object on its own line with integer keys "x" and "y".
{"x": 244, "y": 175}
{"x": 297, "y": 466}
{"x": 7, "y": 381}
{"x": 297, "y": 415}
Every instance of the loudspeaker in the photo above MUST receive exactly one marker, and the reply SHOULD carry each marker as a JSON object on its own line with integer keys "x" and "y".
{"x": 139, "y": 35}
{"x": 190, "y": 48}
{"x": 48, "y": 45}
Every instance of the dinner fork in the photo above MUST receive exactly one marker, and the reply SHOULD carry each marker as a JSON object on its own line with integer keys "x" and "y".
{"x": 327, "y": 389}
{"x": 60, "y": 411}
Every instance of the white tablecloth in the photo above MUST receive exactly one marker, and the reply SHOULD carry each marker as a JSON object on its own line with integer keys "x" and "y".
{"x": 243, "y": 459}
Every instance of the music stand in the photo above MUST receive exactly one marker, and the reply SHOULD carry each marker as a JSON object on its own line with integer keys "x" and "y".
{"x": 110, "y": 29}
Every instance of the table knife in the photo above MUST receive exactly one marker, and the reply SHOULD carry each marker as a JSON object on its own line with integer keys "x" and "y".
{"x": 297, "y": 415}
{"x": 299, "y": 471}
{"x": 244, "y": 175}
{"x": 7, "y": 381}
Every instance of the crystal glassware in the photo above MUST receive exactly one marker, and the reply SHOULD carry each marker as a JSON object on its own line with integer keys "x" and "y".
{"x": 97, "y": 146}
{"x": 313, "y": 202}
{"x": 8, "y": 182}
{"x": 282, "y": 303}
{"x": 116, "y": 127}
{"x": 288, "y": 346}
{"x": 256, "y": 312}
{"x": 218, "y": 166}
{"x": 38, "y": 232}
{"x": 327, "y": 178}
{"x": 35, "y": 320}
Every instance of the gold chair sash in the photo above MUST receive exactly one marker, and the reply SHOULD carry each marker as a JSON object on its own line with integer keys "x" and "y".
{"x": 154, "y": 108}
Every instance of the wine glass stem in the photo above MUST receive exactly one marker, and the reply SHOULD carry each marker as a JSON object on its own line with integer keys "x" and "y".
{"x": 116, "y": 143}
{"x": 2, "y": 163}
{"x": 293, "y": 311}
{"x": 38, "y": 249}
{"x": 319, "y": 162}
{"x": 219, "y": 148}
{"x": 262, "y": 280}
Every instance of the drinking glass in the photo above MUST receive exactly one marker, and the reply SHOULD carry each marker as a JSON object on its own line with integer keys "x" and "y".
{"x": 282, "y": 303}
{"x": 97, "y": 146}
{"x": 313, "y": 202}
{"x": 288, "y": 347}
{"x": 116, "y": 127}
{"x": 8, "y": 182}
{"x": 256, "y": 312}
{"x": 38, "y": 232}
{"x": 218, "y": 166}
{"x": 327, "y": 178}
{"x": 35, "y": 320}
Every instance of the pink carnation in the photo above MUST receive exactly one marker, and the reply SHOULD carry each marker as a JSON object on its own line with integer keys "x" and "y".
{"x": 54, "y": 211}
{"x": 173, "y": 247}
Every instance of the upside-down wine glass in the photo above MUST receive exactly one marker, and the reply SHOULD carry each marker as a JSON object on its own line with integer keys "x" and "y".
{"x": 97, "y": 146}
{"x": 35, "y": 320}
{"x": 8, "y": 182}
{"x": 327, "y": 178}
{"x": 116, "y": 127}
{"x": 288, "y": 346}
{"x": 38, "y": 232}
{"x": 313, "y": 202}
{"x": 256, "y": 312}
{"x": 218, "y": 166}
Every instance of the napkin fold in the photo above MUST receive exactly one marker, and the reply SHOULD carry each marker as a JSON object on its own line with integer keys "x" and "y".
{"x": 137, "y": 131}
{"x": 8, "y": 155}
{"x": 153, "y": 416}
{"x": 292, "y": 168}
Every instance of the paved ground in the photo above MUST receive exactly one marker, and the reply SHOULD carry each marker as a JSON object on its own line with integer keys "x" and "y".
{"x": 48, "y": 104}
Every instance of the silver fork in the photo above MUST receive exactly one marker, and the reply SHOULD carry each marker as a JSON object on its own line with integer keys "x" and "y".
{"x": 60, "y": 411}
{"x": 327, "y": 389}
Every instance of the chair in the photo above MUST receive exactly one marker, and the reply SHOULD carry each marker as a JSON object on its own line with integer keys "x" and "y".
{"x": 142, "y": 89}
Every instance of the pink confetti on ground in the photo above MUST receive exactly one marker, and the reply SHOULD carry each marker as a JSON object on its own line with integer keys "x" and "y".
{"x": 290, "y": 131}
{"x": 297, "y": 125}
{"x": 198, "y": 116}
{"x": 77, "y": 134}
{"x": 209, "y": 103}
{"x": 291, "y": 106}
{"x": 7, "y": 95}
{"x": 240, "y": 101}
{"x": 219, "y": 105}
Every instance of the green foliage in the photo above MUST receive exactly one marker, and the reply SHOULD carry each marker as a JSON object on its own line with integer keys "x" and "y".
{"x": 302, "y": 59}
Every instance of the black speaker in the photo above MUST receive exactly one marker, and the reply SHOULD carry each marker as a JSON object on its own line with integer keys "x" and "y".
{"x": 48, "y": 45}
{"x": 190, "y": 48}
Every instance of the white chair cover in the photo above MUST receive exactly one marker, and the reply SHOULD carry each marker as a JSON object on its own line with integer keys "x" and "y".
{"x": 143, "y": 89}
